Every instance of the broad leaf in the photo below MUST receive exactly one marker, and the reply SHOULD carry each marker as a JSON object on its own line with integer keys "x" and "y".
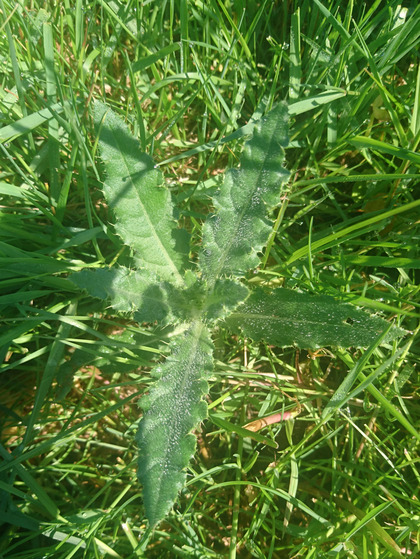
{"x": 284, "y": 317}
{"x": 173, "y": 408}
{"x": 240, "y": 228}
{"x": 127, "y": 291}
{"x": 142, "y": 206}
{"x": 224, "y": 298}
{"x": 164, "y": 290}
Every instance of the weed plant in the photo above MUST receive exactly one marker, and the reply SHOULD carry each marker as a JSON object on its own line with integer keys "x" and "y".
{"x": 274, "y": 476}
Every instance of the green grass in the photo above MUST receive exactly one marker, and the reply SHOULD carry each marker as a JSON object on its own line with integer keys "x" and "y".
{"x": 188, "y": 77}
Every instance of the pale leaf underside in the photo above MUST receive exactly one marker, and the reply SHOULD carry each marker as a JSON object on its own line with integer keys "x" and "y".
{"x": 285, "y": 317}
{"x": 173, "y": 409}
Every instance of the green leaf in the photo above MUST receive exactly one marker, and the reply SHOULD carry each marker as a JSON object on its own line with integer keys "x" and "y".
{"x": 173, "y": 408}
{"x": 239, "y": 228}
{"x": 147, "y": 61}
{"x": 127, "y": 291}
{"x": 224, "y": 298}
{"x": 28, "y": 123}
{"x": 134, "y": 292}
{"x": 142, "y": 206}
{"x": 382, "y": 147}
{"x": 284, "y": 317}
{"x": 344, "y": 392}
{"x": 230, "y": 427}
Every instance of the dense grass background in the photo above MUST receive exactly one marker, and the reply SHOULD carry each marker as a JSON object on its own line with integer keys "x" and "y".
{"x": 188, "y": 76}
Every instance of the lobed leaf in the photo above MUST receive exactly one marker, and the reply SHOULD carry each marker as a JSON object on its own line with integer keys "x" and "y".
{"x": 142, "y": 206}
{"x": 240, "y": 229}
{"x": 134, "y": 292}
{"x": 224, "y": 298}
{"x": 127, "y": 291}
{"x": 284, "y": 317}
{"x": 173, "y": 408}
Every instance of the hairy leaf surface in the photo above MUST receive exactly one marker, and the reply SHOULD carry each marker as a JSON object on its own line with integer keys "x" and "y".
{"x": 142, "y": 206}
{"x": 225, "y": 297}
{"x": 165, "y": 290}
{"x": 173, "y": 408}
{"x": 240, "y": 228}
{"x": 127, "y": 291}
{"x": 284, "y": 317}
{"x": 134, "y": 292}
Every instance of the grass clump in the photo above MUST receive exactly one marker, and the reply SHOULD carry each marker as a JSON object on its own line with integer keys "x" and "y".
{"x": 190, "y": 80}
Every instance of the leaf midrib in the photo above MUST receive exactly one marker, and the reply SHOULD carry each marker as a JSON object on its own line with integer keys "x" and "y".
{"x": 146, "y": 215}
{"x": 245, "y": 209}
{"x": 257, "y": 317}
{"x": 196, "y": 331}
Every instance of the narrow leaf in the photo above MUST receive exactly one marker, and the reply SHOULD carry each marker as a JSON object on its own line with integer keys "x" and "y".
{"x": 239, "y": 228}
{"x": 142, "y": 206}
{"x": 285, "y": 317}
{"x": 28, "y": 123}
{"x": 173, "y": 408}
{"x": 147, "y": 61}
{"x": 243, "y": 432}
{"x": 311, "y": 103}
{"x": 382, "y": 147}
{"x": 334, "y": 238}
{"x": 344, "y": 393}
